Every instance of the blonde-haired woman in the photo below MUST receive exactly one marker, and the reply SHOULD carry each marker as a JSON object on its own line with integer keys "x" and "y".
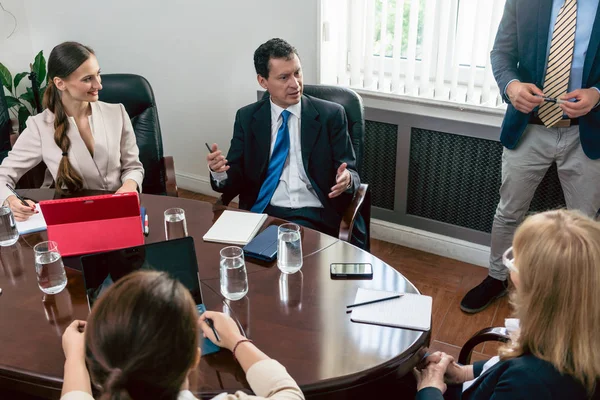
{"x": 555, "y": 268}
{"x": 85, "y": 143}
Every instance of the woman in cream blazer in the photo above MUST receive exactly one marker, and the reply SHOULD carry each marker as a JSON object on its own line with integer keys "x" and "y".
{"x": 85, "y": 143}
{"x": 153, "y": 347}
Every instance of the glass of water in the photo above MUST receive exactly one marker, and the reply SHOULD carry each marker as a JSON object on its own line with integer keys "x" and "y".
{"x": 49, "y": 268}
{"x": 175, "y": 225}
{"x": 8, "y": 228}
{"x": 234, "y": 280}
{"x": 289, "y": 249}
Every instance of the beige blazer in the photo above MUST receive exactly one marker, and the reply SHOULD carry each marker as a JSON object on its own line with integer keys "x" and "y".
{"x": 116, "y": 155}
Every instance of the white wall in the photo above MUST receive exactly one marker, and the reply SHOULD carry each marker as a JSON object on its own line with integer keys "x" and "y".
{"x": 196, "y": 54}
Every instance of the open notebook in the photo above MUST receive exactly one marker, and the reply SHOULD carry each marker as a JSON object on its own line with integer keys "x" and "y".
{"x": 235, "y": 227}
{"x": 412, "y": 311}
{"x": 35, "y": 223}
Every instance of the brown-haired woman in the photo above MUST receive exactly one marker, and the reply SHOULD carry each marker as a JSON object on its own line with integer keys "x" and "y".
{"x": 141, "y": 341}
{"x": 555, "y": 268}
{"x": 85, "y": 143}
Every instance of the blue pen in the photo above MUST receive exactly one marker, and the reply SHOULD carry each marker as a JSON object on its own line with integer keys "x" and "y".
{"x": 143, "y": 215}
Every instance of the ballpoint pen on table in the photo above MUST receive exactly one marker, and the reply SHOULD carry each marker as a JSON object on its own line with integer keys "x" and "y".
{"x": 375, "y": 301}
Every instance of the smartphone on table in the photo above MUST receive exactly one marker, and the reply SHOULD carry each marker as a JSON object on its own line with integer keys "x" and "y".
{"x": 351, "y": 271}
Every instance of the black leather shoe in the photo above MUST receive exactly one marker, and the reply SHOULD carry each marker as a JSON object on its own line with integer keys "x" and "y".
{"x": 482, "y": 295}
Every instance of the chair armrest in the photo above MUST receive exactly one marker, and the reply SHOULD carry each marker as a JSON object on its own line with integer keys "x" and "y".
{"x": 484, "y": 335}
{"x": 347, "y": 223}
{"x": 170, "y": 181}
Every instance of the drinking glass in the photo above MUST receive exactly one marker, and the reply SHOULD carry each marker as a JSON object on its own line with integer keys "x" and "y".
{"x": 234, "y": 280}
{"x": 289, "y": 249}
{"x": 8, "y": 228}
{"x": 175, "y": 225}
{"x": 49, "y": 268}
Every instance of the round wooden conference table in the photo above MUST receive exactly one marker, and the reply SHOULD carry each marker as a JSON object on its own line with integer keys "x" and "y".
{"x": 299, "y": 320}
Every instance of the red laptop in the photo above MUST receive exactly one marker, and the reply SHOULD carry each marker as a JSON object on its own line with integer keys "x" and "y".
{"x": 85, "y": 225}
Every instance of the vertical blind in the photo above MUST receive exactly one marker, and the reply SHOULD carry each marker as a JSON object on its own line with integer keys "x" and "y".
{"x": 434, "y": 49}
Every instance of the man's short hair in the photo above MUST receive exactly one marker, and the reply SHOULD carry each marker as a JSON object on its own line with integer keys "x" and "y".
{"x": 274, "y": 48}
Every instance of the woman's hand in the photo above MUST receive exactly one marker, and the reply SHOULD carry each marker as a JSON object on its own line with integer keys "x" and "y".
{"x": 433, "y": 374}
{"x": 455, "y": 373}
{"x": 20, "y": 212}
{"x": 225, "y": 326}
{"x": 128, "y": 186}
{"x": 73, "y": 341}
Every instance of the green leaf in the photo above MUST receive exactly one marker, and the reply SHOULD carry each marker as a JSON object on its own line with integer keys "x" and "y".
{"x": 6, "y": 77}
{"x": 12, "y": 101}
{"x": 28, "y": 97}
{"x": 39, "y": 67}
{"x": 23, "y": 115}
{"x": 18, "y": 78}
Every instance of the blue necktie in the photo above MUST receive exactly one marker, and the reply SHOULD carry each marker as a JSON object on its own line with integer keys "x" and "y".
{"x": 276, "y": 163}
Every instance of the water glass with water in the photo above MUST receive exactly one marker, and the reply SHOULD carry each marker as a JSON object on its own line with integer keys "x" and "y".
{"x": 175, "y": 225}
{"x": 49, "y": 268}
{"x": 8, "y": 228}
{"x": 289, "y": 249}
{"x": 234, "y": 280}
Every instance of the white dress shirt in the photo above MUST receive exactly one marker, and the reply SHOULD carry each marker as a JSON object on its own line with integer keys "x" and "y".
{"x": 294, "y": 189}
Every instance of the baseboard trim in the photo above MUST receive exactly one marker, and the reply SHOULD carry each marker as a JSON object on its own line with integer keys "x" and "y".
{"x": 195, "y": 183}
{"x": 431, "y": 242}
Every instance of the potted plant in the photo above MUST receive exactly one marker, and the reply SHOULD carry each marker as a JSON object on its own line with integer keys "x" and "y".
{"x": 22, "y": 106}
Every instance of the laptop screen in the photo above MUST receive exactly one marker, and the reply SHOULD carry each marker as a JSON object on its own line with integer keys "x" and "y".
{"x": 177, "y": 257}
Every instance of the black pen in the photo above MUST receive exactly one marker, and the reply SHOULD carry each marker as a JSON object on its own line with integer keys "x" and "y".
{"x": 208, "y": 147}
{"x": 375, "y": 301}
{"x": 209, "y": 322}
{"x": 22, "y": 200}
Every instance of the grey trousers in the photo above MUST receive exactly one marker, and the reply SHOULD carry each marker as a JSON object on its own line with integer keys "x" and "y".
{"x": 524, "y": 167}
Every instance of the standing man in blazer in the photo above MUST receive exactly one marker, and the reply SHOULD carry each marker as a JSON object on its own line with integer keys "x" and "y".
{"x": 290, "y": 156}
{"x": 544, "y": 49}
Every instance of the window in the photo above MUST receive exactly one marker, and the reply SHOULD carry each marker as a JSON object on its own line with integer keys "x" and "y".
{"x": 434, "y": 49}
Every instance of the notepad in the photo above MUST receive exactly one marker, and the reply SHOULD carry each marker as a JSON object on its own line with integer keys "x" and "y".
{"x": 35, "y": 223}
{"x": 235, "y": 227}
{"x": 412, "y": 311}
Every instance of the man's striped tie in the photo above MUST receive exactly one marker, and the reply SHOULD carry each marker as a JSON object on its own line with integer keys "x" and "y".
{"x": 559, "y": 62}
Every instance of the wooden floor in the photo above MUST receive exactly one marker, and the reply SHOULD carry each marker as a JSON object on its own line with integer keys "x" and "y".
{"x": 444, "y": 279}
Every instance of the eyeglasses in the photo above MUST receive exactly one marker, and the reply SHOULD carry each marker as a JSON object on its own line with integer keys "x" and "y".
{"x": 508, "y": 260}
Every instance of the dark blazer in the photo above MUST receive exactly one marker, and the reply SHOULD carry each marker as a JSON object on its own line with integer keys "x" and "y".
{"x": 520, "y": 53}
{"x": 325, "y": 146}
{"x": 522, "y": 378}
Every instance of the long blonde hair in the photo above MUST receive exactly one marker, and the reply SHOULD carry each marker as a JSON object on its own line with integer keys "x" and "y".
{"x": 557, "y": 254}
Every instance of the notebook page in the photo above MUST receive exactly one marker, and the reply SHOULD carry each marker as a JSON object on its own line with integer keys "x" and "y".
{"x": 412, "y": 311}
{"x": 235, "y": 227}
{"x": 35, "y": 223}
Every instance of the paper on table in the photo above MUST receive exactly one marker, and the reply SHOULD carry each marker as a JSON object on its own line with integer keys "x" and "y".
{"x": 35, "y": 223}
{"x": 235, "y": 227}
{"x": 412, "y": 311}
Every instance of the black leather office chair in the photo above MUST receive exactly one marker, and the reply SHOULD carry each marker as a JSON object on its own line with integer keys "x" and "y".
{"x": 5, "y": 124}
{"x": 361, "y": 203}
{"x": 135, "y": 93}
{"x": 499, "y": 334}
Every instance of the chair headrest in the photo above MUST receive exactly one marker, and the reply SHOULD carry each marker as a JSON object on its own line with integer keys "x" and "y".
{"x": 133, "y": 91}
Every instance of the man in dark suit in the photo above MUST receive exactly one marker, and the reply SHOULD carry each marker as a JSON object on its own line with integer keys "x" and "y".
{"x": 544, "y": 50}
{"x": 290, "y": 156}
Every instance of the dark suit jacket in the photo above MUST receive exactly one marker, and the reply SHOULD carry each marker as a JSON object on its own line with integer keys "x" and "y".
{"x": 520, "y": 53}
{"x": 522, "y": 378}
{"x": 325, "y": 146}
